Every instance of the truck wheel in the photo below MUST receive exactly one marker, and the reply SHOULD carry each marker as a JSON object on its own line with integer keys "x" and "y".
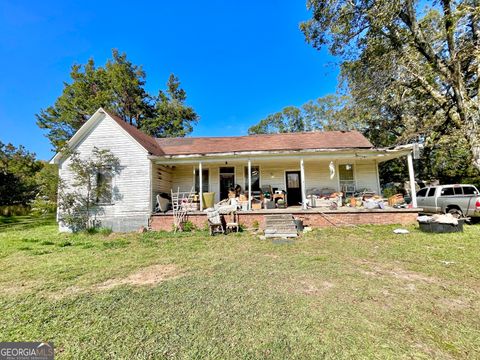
{"x": 456, "y": 213}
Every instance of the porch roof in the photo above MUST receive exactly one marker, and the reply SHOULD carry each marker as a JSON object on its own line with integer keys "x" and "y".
{"x": 347, "y": 154}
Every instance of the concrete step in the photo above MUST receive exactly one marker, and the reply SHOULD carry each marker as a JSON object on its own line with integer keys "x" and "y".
{"x": 282, "y": 227}
{"x": 280, "y": 235}
{"x": 280, "y": 231}
{"x": 279, "y": 217}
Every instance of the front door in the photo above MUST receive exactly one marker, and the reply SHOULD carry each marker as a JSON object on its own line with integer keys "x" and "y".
{"x": 227, "y": 181}
{"x": 294, "y": 190}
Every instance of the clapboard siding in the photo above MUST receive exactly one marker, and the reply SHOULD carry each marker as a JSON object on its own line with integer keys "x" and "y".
{"x": 162, "y": 180}
{"x": 317, "y": 175}
{"x": 132, "y": 184}
{"x": 366, "y": 176}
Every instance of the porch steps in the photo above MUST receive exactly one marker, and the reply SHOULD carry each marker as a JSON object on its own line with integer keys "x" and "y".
{"x": 280, "y": 225}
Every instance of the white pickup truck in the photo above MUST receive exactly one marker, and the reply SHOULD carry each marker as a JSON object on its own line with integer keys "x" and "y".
{"x": 459, "y": 200}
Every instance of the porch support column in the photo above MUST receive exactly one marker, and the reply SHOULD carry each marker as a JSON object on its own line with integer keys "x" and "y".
{"x": 411, "y": 176}
{"x": 249, "y": 184}
{"x": 200, "y": 183}
{"x": 302, "y": 184}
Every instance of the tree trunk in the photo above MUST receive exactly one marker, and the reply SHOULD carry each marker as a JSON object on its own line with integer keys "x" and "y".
{"x": 474, "y": 144}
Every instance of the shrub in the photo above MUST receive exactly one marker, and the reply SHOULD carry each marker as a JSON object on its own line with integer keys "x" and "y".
{"x": 41, "y": 206}
{"x": 14, "y": 210}
{"x": 189, "y": 226}
{"x": 105, "y": 231}
{"x": 390, "y": 191}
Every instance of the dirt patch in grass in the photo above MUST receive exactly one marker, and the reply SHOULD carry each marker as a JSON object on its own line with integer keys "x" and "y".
{"x": 304, "y": 285}
{"x": 13, "y": 289}
{"x": 151, "y": 275}
{"x": 309, "y": 288}
{"x": 454, "y": 304}
{"x": 374, "y": 269}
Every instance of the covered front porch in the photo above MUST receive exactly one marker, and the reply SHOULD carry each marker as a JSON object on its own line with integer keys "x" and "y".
{"x": 260, "y": 180}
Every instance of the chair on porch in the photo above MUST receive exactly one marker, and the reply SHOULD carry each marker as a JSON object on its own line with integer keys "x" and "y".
{"x": 348, "y": 189}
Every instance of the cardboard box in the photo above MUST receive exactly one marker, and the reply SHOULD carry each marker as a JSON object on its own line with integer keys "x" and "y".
{"x": 257, "y": 206}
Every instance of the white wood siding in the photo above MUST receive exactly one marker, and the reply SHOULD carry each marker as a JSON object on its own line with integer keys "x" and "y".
{"x": 132, "y": 207}
{"x": 317, "y": 174}
{"x": 366, "y": 176}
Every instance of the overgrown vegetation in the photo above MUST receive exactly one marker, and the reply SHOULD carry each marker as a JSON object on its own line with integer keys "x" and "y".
{"x": 334, "y": 293}
{"x": 25, "y": 182}
{"x": 82, "y": 200}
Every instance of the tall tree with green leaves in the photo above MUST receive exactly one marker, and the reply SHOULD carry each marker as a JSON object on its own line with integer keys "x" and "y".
{"x": 417, "y": 62}
{"x": 17, "y": 175}
{"x": 119, "y": 86}
{"x": 331, "y": 112}
{"x": 172, "y": 117}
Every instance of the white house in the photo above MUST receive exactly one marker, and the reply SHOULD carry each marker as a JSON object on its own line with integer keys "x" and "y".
{"x": 295, "y": 163}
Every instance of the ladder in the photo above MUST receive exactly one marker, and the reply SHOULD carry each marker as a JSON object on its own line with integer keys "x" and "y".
{"x": 181, "y": 204}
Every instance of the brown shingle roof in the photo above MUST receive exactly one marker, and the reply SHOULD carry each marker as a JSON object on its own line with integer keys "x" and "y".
{"x": 267, "y": 142}
{"x": 143, "y": 139}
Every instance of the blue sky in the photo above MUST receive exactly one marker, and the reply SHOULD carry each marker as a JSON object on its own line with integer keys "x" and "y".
{"x": 238, "y": 61}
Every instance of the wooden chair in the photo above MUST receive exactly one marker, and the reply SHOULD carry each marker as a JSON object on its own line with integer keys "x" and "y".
{"x": 232, "y": 224}
{"x": 215, "y": 223}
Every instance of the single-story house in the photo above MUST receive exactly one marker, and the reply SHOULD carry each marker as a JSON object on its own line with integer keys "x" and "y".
{"x": 294, "y": 163}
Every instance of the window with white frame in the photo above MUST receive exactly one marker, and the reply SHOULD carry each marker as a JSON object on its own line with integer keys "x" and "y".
{"x": 104, "y": 187}
{"x": 205, "y": 179}
{"x": 255, "y": 178}
{"x": 346, "y": 175}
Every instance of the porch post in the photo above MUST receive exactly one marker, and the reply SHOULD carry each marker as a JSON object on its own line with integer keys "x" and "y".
{"x": 411, "y": 176}
{"x": 249, "y": 184}
{"x": 200, "y": 183}
{"x": 302, "y": 176}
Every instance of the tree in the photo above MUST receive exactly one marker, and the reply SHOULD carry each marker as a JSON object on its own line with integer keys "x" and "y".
{"x": 82, "y": 200}
{"x": 46, "y": 180}
{"x": 172, "y": 116}
{"x": 17, "y": 175}
{"x": 332, "y": 112}
{"x": 429, "y": 58}
{"x": 119, "y": 86}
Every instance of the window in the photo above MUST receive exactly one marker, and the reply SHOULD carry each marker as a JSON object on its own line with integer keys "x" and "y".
{"x": 205, "y": 178}
{"x": 447, "y": 191}
{"x": 346, "y": 176}
{"x": 469, "y": 190}
{"x": 422, "y": 192}
{"x": 255, "y": 178}
{"x": 293, "y": 180}
{"x": 104, "y": 187}
{"x": 458, "y": 190}
{"x": 431, "y": 192}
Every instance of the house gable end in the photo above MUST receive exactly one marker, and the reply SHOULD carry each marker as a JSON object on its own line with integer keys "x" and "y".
{"x": 89, "y": 127}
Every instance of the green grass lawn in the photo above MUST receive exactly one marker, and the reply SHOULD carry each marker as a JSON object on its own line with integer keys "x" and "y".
{"x": 333, "y": 293}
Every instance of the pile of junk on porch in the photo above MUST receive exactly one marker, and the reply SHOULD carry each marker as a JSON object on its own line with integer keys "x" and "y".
{"x": 266, "y": 199}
